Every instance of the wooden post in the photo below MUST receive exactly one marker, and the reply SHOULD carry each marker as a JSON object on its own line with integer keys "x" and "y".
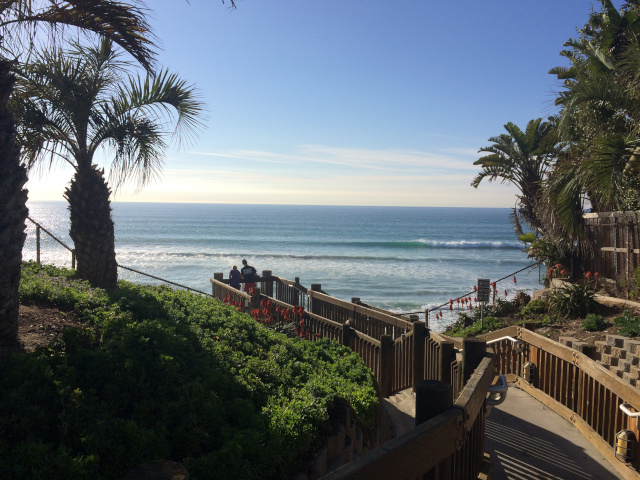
{"x": 255, "y": 300}
{"x": 529, "y": 326}
{"x": 473, "y": 351}
{"x": 419, "y": 334}
{"x": 355, "y": 300}
{"x": 267, "y": 283}
{"x": 38, "y": 244}
{"x": 315, "y": 305}
{"x": 346, "y": 335}
{"x": 386, "y": 365}
{"x": 432, "y": 399}
{"x": 215, "y": 289}
{"x": 447, "y": 353}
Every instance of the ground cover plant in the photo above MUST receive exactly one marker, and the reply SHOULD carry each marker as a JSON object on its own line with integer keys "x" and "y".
{"x": 163, "y": 374}
{"x": 629, "y": 324}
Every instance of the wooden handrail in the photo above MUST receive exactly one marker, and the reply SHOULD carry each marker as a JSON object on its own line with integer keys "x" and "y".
{"x": 390, "y": 319}
{"x": 578, "y": 389}
{"x": 430, "y": 443}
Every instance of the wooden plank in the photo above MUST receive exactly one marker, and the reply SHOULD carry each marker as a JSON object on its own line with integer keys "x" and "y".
{"x": 589, "y": 433}
{"x": 407, "y": 456}
{"x": 587, "y": 365}
{"x": 359, "y": 309}
{"x": 503, "y": 332}
{"x": 474, "y": 394}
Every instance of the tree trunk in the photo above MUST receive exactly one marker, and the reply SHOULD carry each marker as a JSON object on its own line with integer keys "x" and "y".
{"x": 13, "y": 211}
{"x": 92, "y": 228}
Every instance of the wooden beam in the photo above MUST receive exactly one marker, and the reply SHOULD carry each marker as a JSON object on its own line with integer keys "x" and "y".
{"x": 410, "y": 455}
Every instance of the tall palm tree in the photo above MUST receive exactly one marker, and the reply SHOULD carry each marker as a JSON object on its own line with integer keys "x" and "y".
{"x": 70, "y": 105}
{"x": 19, "y": 20}
{"x": 600, "y": 114}
{"x": 522, "y": 159}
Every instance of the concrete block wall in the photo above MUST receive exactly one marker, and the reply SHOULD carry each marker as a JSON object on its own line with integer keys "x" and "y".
{"x": 621, "y": 356}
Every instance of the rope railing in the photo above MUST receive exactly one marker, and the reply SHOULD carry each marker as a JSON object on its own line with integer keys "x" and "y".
{"x": 38, "y": 252}
{"x": 425, "y": 312}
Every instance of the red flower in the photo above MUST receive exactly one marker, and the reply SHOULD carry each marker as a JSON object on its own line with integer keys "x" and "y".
{"x": 450, "y": 306}
{"x": 474, "y": 288}
{"x": 588, "y": 274}
{"x": 596, "y": 274}
{"x": 475, "y": 299}
{"x": 514, "y": 279}
{"x": 563, "y": 272}
{"x": 505, "y": 293}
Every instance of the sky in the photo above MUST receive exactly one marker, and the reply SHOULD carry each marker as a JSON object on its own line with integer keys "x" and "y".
{"x": 351, "y": 102}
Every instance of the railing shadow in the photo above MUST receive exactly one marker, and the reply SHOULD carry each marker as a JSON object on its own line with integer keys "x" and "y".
{"x": 523, "y": 448}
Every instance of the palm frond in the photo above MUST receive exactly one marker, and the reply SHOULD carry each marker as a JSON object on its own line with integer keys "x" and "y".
{"x": 123, "y": 23}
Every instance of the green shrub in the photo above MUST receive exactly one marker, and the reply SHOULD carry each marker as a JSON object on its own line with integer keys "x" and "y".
{"x": 533, "y": 309}
{"x": 168, "y": 374}
{"x": 594, "y": 323}
{"x": 629, "y": 324}
{"x": 573, "y": 300}
{"x": 462, "y": 329}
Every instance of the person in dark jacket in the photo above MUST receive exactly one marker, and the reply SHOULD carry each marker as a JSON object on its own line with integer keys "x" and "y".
{"x": 248, "y": 276}
{"x": 234, "y": 277}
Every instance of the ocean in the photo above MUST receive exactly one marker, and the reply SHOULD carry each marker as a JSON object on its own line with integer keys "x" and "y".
{"x": 403, "y": 259}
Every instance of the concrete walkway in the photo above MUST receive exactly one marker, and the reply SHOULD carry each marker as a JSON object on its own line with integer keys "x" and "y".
{"x": 526, "y": 440}
{"x": 529, "y": 441}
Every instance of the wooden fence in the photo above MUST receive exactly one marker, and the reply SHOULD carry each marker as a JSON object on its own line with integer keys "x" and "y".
{"x": 449, "y": 445}
{"x": 615, "y": 237}
{"x": 398, "y": 351}
{"x": 574, "y": 386}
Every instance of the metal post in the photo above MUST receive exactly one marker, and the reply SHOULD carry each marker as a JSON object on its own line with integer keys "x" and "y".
{"x": 38, "y": 244}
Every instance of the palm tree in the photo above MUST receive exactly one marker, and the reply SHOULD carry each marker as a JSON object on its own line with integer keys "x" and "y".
{"x": 19, "y": 20}
{"x": 522, "y": 159}
{"x": 72, "y": 105}
{"x": 600, "y": 114}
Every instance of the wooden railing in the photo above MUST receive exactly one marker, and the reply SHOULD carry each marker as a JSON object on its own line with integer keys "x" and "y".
{"x": 399, "y": 352}
{"x": 574, "y": 386}
{"x": 449, "y": 445}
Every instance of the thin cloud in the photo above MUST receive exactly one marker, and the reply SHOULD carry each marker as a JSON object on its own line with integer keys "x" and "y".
{"x": 385, "y": 160}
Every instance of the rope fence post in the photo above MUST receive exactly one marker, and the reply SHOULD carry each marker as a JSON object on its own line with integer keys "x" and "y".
{"x": 38, "y": 244}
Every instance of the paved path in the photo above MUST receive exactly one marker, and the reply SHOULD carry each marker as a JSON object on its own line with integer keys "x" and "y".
{"x": 529, "y": 441}
{"x": 526, "y": 440}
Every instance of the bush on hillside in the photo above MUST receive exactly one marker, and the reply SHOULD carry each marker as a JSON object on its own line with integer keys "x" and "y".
{"x": 594, "y": 323}
{"x": 574, "y": 300}
{"x": 168, "y": 374}
{"x": 629, "y": 324}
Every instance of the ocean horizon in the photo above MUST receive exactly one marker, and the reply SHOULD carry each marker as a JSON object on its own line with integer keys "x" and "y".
{"x": 403, "y": 259}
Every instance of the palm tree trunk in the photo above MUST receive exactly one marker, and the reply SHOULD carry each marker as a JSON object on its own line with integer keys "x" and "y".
{"x": 13, "y": 211}
{"x": 92, "y": 228}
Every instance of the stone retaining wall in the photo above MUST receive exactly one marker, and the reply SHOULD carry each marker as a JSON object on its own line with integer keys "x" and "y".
{"x": 620, "y": 355}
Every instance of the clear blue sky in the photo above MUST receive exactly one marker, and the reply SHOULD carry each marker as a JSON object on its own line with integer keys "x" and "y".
{"x": 356, "y": 102}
